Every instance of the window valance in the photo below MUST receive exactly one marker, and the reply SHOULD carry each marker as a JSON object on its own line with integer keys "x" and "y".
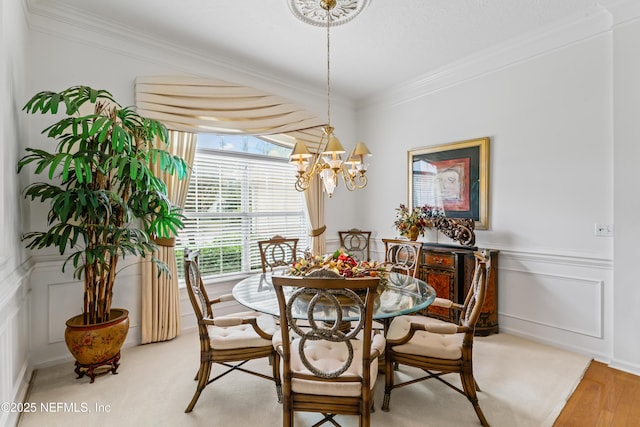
{"x": 192, "y": 104}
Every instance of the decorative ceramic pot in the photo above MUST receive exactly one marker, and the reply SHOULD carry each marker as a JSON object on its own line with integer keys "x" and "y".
{"x": 92, "y": 345}
{"x": 414, "y": 232}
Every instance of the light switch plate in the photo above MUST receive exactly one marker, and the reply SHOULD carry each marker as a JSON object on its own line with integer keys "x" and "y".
{"x": 604, "y": 230}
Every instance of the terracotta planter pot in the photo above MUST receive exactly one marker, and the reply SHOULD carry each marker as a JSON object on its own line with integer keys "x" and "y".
{"x": 97, "y": 345}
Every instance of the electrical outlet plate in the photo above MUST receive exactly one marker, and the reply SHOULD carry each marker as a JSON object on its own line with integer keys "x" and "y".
{"x": 604, "y": 230}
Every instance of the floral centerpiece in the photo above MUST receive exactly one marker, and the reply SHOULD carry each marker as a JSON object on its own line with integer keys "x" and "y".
{"x": 412, "y": 223}
{"x": 339, "y": 262}
{"x": 342, "y": 263}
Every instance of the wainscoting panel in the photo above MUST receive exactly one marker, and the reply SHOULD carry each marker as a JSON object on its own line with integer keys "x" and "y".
{"x": 58, "y": 296}
{"x": 15, "y": 369}
{"x": 65, "y": 301}
{"x": 562, "y": 300}
{"x": 573, "y": 304}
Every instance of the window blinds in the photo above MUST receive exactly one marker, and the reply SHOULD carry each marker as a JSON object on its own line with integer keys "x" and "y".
{"x": 235, "y": 200}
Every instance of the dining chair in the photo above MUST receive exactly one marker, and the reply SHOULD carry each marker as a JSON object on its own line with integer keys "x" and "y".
{"x": 403, "y": 255}
{"x": 356, "y": 243}
{"x": 230, "y": 340}
{"x": 277, "y": 252}
{"x": 328, "y": 369}
{"x": 438, "y": 347}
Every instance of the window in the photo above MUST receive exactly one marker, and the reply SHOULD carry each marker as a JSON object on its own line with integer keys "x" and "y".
{"x": 241, "y": 191}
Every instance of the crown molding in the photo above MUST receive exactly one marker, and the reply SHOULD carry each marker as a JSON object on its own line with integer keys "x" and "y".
{"x": 597, "y": 21}
{"x": 623, "y": 11}
{"x": 78, "y": 26}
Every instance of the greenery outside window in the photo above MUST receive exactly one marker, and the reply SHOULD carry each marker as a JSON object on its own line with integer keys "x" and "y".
{"x": 241, "y": 191}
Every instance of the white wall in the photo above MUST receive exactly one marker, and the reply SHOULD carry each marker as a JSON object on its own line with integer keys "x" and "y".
{"x": 550, "y": 116}
{"x": 15, "y": 369}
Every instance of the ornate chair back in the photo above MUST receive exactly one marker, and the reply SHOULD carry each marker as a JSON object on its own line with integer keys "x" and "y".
{"x": 475, "y": 295}
{"x": 326, "y": 368}
{"x": 195, "y": 288}
{"x": 277, "y": 252}
{"x": 356, "y": 243}
{"x": 403, "y": 255}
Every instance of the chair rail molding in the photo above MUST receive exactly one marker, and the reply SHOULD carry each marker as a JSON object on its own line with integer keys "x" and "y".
{"x": 558, "y": 258}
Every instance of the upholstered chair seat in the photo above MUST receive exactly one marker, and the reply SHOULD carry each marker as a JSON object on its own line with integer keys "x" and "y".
{"x": 441, "y": 341}
{"x": 229, "y": 332}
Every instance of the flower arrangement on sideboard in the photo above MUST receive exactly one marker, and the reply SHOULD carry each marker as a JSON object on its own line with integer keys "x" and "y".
{"x": 412, "y": 222}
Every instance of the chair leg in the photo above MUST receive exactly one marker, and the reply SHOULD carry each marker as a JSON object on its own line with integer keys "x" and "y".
{"x": 469, "y": 385}
{"x": 287, "y": 414}
{"x": 389, "y": 373}
{"x": 276, "y": 375}
{"x": 203, "y": 377}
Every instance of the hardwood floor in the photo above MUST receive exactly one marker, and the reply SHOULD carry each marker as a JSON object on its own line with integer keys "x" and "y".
{"x": 605, "y": 397}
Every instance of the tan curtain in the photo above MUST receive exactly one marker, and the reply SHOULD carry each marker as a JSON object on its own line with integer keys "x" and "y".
{"x": 160, "y": 297}
{"x": 314, "y": 196}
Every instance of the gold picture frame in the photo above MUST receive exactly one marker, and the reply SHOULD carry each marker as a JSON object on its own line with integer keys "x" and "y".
{"x": 454, "y": 176}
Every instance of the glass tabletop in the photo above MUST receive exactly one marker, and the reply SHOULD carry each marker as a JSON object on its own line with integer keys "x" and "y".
{"x": 401, "y": 294}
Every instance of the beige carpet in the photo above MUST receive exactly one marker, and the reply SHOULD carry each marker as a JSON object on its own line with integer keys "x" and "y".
{"x": 524, "y": 384}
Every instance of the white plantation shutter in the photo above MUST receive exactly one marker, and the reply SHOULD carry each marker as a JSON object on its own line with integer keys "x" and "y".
{"x": 234, "y": 200}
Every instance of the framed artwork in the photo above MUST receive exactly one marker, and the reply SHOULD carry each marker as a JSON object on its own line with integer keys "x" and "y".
{"x": 454, "y": 176}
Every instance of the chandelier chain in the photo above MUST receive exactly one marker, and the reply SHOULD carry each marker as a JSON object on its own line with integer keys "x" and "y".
{"x": 328, "y": 67}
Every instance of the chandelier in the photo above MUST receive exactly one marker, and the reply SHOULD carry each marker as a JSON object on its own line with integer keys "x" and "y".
{"x": 328, "y": 163}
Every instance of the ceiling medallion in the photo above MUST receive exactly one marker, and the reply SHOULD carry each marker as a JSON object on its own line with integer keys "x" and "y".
{"x": 312, "y": 12}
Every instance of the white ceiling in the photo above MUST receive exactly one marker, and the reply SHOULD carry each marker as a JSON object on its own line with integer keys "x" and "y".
{"x": 390, "y": 42}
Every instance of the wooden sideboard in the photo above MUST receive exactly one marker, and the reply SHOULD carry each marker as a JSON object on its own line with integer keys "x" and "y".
{"x": 449, "y": 270}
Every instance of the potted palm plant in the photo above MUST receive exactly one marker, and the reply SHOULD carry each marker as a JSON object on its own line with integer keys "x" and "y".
{"x": 104, "y": 204}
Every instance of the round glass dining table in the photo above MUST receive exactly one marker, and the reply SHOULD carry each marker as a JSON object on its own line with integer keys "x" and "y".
{"x": 399, "y": 294}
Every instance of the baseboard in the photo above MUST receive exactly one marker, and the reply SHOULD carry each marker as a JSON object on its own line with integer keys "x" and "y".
{"x": 632, "y": 368}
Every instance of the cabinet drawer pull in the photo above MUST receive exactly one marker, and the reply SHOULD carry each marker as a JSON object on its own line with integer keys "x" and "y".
{"x": 438, "y": 260}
